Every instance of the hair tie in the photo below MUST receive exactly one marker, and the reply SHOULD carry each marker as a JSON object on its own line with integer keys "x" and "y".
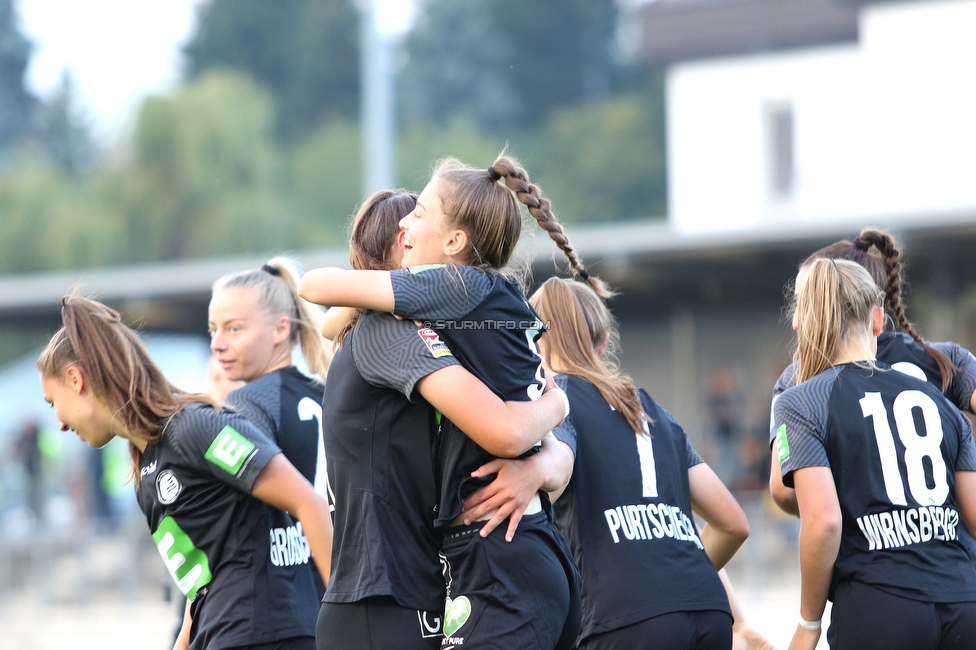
{"x": 494, "y": 174}
{"x": 584, "y": 274}
{"x": 862, "y": 243}
{"x": 270, "y": 270}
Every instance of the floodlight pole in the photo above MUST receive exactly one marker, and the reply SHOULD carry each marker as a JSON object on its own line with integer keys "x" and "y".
{"x": 377, "y": 99}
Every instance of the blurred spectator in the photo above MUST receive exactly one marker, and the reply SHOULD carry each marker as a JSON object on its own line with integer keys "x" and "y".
{"x": 27, "y": 450}
{"x": 218, "y": 385}
{"x": 725, "y": 406}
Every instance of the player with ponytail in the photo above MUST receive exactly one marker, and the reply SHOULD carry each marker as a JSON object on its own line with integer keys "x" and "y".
{"x": 201, "y": 475}
{"x": 256, "y": 319}
{"x": 947, "y": 366}
{"x": 456, "y": 241}
{"x": 884, "y": 469}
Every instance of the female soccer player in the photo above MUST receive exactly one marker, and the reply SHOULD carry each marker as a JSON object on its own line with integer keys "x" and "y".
{"x": 884, "y": 468}
{"x": 649, "y": 578}
{"x": 464, "y": 229}
{"x": 256, "y": 320}
{"x": 387, "y": 589}
{"x": 201, "y": 476}
{"x": 946, "y": 365}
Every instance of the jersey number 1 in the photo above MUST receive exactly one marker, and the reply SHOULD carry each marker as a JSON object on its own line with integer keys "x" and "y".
{"x": 916, "y": 447}
{"x": 645, "y": 452}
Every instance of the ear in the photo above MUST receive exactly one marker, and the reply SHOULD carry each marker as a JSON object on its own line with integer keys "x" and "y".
{"x": 74, "y": 379}
{"x": 877, "y": 320}
{"x": 456, "y": 243}
{"x": 603, "y": 345}
{"x": 282, "y": 330}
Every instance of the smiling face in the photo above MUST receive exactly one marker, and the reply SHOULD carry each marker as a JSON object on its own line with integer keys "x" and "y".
{"x": 78, "y": 409}
{"x": 427, "y": 239}
{"x": 247, "y": 341}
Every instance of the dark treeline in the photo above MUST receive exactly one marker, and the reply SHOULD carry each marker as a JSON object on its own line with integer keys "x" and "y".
{"x": 259, "y": 149}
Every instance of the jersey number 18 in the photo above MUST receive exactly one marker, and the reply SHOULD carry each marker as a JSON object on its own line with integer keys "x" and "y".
{"x": 916, "y": 447}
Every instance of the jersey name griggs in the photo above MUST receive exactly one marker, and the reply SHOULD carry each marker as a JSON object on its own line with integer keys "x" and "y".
{"x": 651, "y": 520}
{"x": 902, "y": 527}
{"x": 289, "y": 546}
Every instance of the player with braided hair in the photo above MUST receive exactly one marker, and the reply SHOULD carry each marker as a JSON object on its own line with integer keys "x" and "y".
{"x": 948, "y": 366}
{"x": 884, "y": 469}
{"x": 522, "y": 594}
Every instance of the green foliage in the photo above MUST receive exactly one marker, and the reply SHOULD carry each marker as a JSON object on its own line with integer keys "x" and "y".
{"x": 419, "y": 146}
{"x": 603, "y": 162}
{"x": 325, "y": 183}
{"x": 507, "y": 62}
{"x": 16, "y": 104}
{"x": 305, "y": 52}
{"x": 203, "y": 178}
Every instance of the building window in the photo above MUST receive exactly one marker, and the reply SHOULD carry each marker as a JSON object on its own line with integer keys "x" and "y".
{"x": 779, "y": 150}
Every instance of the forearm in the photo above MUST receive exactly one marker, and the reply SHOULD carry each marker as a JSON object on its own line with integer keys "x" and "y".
{"x": 818, "y": 551}
{"x": 337, "y": 318}
{"x": 317, "y": 526}
{"x": 720, "y": 545}
{"x": 553, "y": 464}
{"x": 331, "y": 286}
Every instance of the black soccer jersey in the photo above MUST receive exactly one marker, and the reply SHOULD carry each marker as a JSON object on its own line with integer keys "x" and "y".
{"x": 627, "y": 515}
{"x": 247, "y": 586}
{"x": 287, "y": 406}
{"x": 379, "y": 445}
{"x": 902, "y": 353}
{"x": 893, "y": 444}
{"x": 488, "y": 325}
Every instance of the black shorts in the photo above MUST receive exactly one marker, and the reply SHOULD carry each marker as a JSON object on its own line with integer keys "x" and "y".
{"x": 867, "y": 617}
{"x": 295, "y": 643}
{"x": 522, "y": 594}
{"x": 378, "y": 623}
{"x": 697, "y": 630}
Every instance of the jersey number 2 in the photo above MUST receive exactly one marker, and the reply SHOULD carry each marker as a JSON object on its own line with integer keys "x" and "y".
{"x": 916, "y": 447}
{"x": 309, "y": 409}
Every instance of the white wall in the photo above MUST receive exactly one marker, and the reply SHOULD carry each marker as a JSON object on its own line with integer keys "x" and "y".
{"x": 882, "y": 128}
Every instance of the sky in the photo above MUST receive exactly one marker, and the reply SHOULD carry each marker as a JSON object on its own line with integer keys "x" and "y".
{"x": 119, "y": 51}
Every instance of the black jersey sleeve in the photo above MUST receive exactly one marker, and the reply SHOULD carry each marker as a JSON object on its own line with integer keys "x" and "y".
{"x": 224, "y": 445}
{"x": 258, "y": 404}
{"x": 960, "y": 391}
{"x": 691, "y": 455}
{"x": 785, "y": 381}
{"x": 396, "y": 353}
{"x": 966, "y": 461}
{"x": 438, "y": 291}
{"x": 800, "y": 433}
{"x": 566, "y": 432}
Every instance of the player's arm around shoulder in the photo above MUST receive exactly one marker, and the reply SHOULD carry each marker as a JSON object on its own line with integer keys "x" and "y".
{"x": 281, "y": 485}
{"x": 332, "y": 286}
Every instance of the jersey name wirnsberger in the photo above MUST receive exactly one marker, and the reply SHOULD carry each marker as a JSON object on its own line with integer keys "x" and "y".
{"x": 893, "y": 444}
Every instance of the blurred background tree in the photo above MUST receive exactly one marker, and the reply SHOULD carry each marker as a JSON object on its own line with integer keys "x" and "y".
{"x": 259, "y": 150}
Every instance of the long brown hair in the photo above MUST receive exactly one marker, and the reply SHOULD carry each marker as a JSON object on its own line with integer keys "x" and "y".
{"x": 277, "y": 285}
{"x": 373, "y": 242}
{"x": 832, "y": 304}
{"x": 117, "y": 368}
{"x": 489, "y": 213}
{"x": 579, "y": 323}
{"x": 879, "y": 253}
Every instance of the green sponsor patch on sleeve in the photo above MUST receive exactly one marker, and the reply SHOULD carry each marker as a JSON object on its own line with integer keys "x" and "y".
{"x": 229, "y": 450}
{"x": 188, "y": 565}
{"x": 424, "y": 267}
{"x": 782, "y": 444}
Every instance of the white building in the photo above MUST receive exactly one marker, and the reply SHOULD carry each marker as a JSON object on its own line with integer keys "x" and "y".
{"x": 857, "y": 114}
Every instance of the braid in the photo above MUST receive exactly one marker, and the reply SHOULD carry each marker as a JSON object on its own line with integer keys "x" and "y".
{"x": 892, "y": 260}
{"x": 517, "y": 180}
